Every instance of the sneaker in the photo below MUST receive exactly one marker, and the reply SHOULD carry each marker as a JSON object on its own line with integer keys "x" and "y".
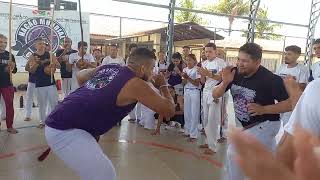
{"x": 12, "y": 131}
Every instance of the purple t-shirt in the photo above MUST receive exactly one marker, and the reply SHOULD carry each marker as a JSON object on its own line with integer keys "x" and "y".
{"x": 93, "y": 107}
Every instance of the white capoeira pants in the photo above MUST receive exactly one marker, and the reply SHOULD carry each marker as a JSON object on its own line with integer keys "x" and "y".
{"x": 265, "y": 133}
{"x": 136, "y": 112}
{"x": 66, "y": 86}
{"x": 224, "y": 114}
{"x": 47, "y": 100}
{"x": 31, "y": 90}
{"x": 3, "y": 108}
{"x": 147, "y": 117}
{"x": 191, "y": 112}
{"x": 212, "y": 119}
{"x": 80, "y": 151}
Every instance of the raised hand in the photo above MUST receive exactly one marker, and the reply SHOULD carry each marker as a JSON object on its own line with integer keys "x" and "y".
{"x": 204, "y": 72}
{"x": 258, "y": 163}
{"x": 227, "y": 74}
{"x": 159, "y": 80}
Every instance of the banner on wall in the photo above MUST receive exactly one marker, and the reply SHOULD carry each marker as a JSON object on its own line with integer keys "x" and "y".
{"x": 29, "y": 24}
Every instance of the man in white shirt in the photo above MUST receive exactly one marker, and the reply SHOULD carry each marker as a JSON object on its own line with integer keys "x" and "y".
{"x": 291, "y": 67}
{"x": 211, "y": 107}
{"x": 316, "y": 66}
{"x": 77, "y": 63}
{"x": 306, "y": 114}
{"x": 113, "y": 58}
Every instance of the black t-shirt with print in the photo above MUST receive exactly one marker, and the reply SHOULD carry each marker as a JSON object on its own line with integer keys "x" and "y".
{"x": 4, "y": 73}
{"x": 43, "y": 79}
{"x": 262, "y": 88}
{"x": 63, "y": 69}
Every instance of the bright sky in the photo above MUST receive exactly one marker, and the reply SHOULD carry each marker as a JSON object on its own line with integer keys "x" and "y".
{"x": 294, "y": 11}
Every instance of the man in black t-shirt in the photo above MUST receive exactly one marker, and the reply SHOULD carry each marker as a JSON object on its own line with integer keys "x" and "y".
{"x": 66, "y": 72}
{"x": 6, "y": 87}
{"x": 254, "y": 90}
{"x": 40, "y": 65}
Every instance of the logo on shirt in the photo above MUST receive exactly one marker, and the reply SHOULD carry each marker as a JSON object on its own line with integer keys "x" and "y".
{"x": 37, "y": 27}
{"x": 214, "y": 71}
{"x": 102, "y": 78}
{"x": 241, "y": 98}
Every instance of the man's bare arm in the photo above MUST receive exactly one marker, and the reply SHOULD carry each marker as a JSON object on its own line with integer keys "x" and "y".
{"x": 84, "y": 75}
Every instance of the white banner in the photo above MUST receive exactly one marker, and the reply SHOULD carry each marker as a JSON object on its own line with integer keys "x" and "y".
{"x": 28, "y": 25}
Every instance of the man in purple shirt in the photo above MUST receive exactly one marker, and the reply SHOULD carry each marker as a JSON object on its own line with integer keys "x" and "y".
{"x": 107, "y": 95}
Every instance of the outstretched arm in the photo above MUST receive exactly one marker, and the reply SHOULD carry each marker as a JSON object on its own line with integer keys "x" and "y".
{"x": 138, "y": 90}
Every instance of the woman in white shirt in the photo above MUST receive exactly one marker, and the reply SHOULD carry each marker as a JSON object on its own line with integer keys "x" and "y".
{"x": 191, "y": 97}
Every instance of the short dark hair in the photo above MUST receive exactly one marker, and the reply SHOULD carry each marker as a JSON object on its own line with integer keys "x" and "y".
{"x": 114, "y": 45}
{"x": 177, "y": 55}
{"x": 253, "y": 49}
{"x": 97, "y": 50}
{"x": 316, "y": 41}
{"x": 186, "y": 47}
{"x": 213, "y": 45}
{"x": 141, "y": 55}
{"x": 131, "y": 46}
{"x": 192, "y": 56}
{"x": 294, "y": 48}
{"x": 82, "y": 43}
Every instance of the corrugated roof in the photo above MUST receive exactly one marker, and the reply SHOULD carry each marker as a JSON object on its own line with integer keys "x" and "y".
{"x": 184, "y": 31}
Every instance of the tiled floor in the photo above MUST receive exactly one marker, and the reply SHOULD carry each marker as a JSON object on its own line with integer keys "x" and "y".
{"x": 135, "y": 154}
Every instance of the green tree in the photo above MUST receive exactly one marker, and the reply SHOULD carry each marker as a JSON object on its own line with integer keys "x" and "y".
{"x": 265, "y": 30}
{"x": 231, "y": 7}
{"x": 184, "y": 16}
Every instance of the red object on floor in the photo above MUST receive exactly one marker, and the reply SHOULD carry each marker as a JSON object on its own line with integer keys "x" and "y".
{"x": 58, "y": 84}
{"x": 44, "y": 155}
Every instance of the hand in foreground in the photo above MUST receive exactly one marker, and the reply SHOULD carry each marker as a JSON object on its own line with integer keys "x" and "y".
{"x": 258, "y": 163}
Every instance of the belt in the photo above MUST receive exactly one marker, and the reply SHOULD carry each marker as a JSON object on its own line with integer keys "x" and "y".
{"x": 252, "y": 125}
